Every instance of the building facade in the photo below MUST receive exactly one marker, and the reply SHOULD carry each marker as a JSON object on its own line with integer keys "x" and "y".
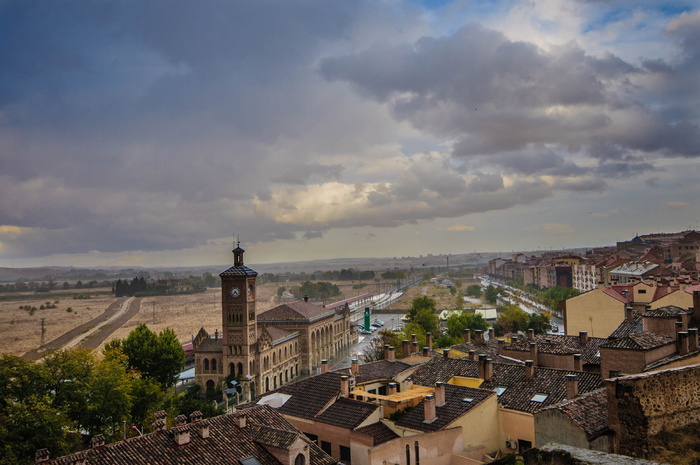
{"x": 262, "y": 351}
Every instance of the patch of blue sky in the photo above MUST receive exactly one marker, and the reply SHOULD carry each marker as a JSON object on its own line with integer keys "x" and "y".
{"x": 608, "y": 13}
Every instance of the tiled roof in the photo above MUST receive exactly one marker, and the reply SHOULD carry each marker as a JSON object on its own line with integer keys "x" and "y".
{"x": 274, "y": 437}
{"x": 311, "y": 395}
{"x": 666, "y": 312}
{"x": 278, "y": 333}
{"x": 490, "y": 347}
{"x": 379, "y": 432}
{"x": 226, "y": 444}
{"x": 627, "y": 327}
{"x": 347, "y": 413}
{"x": 560, "y": 344}
{"x": 239, "y": 271}
{"x": 519, "y": 389}
{"x": 643, "y": 340}
{"x": 381, "y": 369}
{"x": 297, "y": 310}
{"x": 588, "y": 411}
{"x": 615, "y": 294}
{"x": 211, "y": 345}
{"x": 455, "y": 407}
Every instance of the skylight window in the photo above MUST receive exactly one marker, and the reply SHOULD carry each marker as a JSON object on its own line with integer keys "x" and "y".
{"x": 500, "y": 390}
{"x": 467, "y": 399}
{"x": 539, "y": 397}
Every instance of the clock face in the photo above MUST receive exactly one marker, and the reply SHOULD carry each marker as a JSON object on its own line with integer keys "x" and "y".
{"x": 235, "y": 292}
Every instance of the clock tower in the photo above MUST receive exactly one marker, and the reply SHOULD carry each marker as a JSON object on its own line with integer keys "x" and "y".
{"x": 239, "y": 320}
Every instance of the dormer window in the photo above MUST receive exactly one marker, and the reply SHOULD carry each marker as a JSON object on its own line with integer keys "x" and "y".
{"x": 500, "y": 390}
{"x": 539, "y": 398}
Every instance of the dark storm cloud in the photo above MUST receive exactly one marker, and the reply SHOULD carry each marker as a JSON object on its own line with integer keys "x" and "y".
{"x": 305, "y": 173}
{"x": 493, "y": 94}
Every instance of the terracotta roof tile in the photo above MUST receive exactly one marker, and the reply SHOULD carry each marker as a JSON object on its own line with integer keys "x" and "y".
{"x": 226, "y": 444}
{"x": 519, "y": 389}
{"x": 297, "y": 310}
{"x": 627, "y": 327}
{"x": 454, "y": 408}
{"x": 347, "y": 413}
{"x": 560, "y": 344}
{"x": 643, "y": 340}
{"x": 588, "y": 411}
{"x": 239, "y": 271}
{"x": 666, "y": 312}
{"x": 381, "y": 369}
{"x": 379, "y": 432}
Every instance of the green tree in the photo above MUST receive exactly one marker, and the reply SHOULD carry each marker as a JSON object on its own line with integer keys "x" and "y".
{"x": 147, "y": 398}
{"x": 539, "y": 322}
{"x": 69, "y": 373}
{"x": 420, "y": 303}
{"x": 159, "y": 357}
{"x": 491, "y": 293}
{"x": 474, "y": 290}
{"x": 20, "y": 379}
{"x": 109, "y": 399}
{"x": 511, "y": 319}
{"x": 456, "y": 324}
{"x": 375, "y": 350}
{"x": 34, "y": 424}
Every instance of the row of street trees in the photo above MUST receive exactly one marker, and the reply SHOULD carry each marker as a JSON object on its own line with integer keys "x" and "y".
{"x": 51, "y": 404}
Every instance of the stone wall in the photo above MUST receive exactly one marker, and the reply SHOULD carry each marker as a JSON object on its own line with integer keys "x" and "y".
{"x": 641, "y": 406}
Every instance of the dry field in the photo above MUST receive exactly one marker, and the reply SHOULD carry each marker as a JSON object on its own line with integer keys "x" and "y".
{"x": 21, "y": 332}
{"x": 185, "y": 314}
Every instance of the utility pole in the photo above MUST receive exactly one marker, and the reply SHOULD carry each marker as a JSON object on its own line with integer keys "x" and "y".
{"x": 154, "y": 312}
{"x": 43, "y": 331}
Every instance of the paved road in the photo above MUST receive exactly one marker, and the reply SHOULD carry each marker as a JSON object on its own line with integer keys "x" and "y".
{"x": 97, "y": 330}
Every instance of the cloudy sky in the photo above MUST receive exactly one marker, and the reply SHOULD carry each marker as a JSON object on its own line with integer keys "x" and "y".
{"x": 148, "y": 133}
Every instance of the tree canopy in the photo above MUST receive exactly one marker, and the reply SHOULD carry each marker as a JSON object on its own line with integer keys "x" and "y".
{"x": 157, "y": 356}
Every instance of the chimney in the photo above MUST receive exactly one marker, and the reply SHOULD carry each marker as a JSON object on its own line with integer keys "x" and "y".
{"x": 306, "y": 298}
{"x": 426, "y": 351}
{"x": 355, "y": 367}
{"x": 696, "y": 305}
{"x": 530, "y": 334}
{"x": 203, "y": 429}
{"x": 467, "y": 336}
{"x": 391, "y": 354}
{"x": 679, "y": 327}
{"x": 571, "y": 387}
{"x": 345, "y": 386}
{"x": 479, "y": 336}
{"x": 386, "y": 351}
{"x": 180, "y": 420}
{"x": 159, "y": 425}
{"x": 429, "y": 409}
{"x": 629, "y": 313}
{"x": 414, "y": 347}
{"x": 439, "y": 394}
{"x": 488, "y": 369}
{"x": 414, "y": 338}
{"x": 533, "y": 352}
{"x": 97, "y": 441}
{"x": 241, "y": 421}
{"x": 216, "y": 334}
{"x": 501, "y": 344}
{"x": 578, "y": 362}
{"x": 482, "y": 366}
{"x": 42, "y": 455}
{"x": 195, "y": 416}
{"x": 406, "y": 347}
{"x": 692, "y": 340}
{"x": 472, "y": 355}
{"x": 160, "y": 415}
{"x": 445, "y": 354}
{"x": 492, "y": 333}
{"x": 583, "y": 337}
{"x": 324, "y": 366}
{"x": 529, "y": 369}
{"x": 514, "y": 339}
{"x": 683, "y": 342}
{"x": 392, "y": 388}
{"x": 181, "y": 434}
{"x": 429, "y": 340}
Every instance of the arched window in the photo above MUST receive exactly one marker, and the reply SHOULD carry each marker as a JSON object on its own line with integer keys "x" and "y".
{"x": 274, "y": 381}
{"x": 417, "y": 456}
{"x": 206, "y": 364}
{"x": 240, "y": 369}
{"x": 232, "y": 369}
{"x": 300, "y": 459}
{"x": 267, "y": 384}
{"x": 213, "y": 364}
{"x": 408, "y": 454}
{"x": 274, "y": 359}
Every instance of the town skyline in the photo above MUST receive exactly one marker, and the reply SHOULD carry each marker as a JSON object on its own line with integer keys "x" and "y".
{"x": 150, "y": 136}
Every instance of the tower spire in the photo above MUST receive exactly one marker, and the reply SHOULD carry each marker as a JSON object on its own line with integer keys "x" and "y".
{"x": 237, "y": 253}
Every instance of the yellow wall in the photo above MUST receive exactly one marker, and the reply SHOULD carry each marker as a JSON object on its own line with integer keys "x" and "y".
{"x": 678, "y": 298}
{"x": 517, "y": 425}
{"x": 464, "y": 381}
{"x": 595, "y": 312}
{"x": 481, "y": 427}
